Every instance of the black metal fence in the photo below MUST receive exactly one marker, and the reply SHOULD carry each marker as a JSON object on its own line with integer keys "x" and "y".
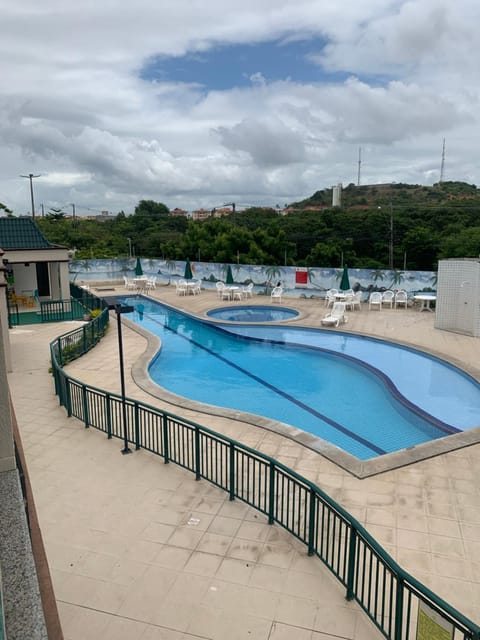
{"x": 389, "y": 595}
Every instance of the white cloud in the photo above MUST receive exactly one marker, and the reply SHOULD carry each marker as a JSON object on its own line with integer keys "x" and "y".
{"x": 75, "y": 109}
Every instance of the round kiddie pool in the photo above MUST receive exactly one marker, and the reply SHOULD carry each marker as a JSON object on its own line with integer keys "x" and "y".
{"x": 252, "y": 313}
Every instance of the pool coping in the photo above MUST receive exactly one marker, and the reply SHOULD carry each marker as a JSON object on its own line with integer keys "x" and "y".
{"x": 348, "y": 462}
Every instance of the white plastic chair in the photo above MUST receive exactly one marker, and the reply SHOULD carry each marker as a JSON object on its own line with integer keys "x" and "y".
{"x": 330, "y": 297}
{"x": 129, "y": 284}
{"x": 276, "y": 294}
{"x": 247, "y": 291}
{"x": 197, "y": 287}
{"x": 181, "y": 286}
{"x": 401, "y": 297}
{"x": 336, "y": 315}
{"x": 388, "y": 298}
{"x": 375, "y": 300}
{"x": 220, "y": 286}
{"x": 356, "y": 302}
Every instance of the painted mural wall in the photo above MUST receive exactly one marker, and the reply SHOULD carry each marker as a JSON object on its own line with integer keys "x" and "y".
{"x": 308, "y": 282}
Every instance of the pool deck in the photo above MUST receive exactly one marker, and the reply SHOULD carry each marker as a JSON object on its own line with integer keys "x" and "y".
{"x": 141, "y": 551}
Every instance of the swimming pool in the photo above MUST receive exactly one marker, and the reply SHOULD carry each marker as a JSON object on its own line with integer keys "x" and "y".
{"x": 252, "y": 313}
{"x": 366, "y": 396}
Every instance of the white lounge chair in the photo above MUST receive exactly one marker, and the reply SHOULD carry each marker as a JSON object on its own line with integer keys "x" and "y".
{"x": 336, "y": 315}
{"x": 375, "y": 300}
{"x": 276, "y": 294}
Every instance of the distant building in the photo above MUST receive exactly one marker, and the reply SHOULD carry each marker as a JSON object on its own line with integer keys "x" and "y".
{"x": 201, "y": 214}
{"x": 179, "y": 212}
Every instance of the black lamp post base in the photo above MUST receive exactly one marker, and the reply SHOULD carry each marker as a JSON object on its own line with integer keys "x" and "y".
{"x": 126, "y": 450}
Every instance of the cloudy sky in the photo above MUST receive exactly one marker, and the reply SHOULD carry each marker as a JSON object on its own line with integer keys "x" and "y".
{"x": 201, "y": 102}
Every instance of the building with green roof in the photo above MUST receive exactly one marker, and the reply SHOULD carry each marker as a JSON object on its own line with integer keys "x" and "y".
{"x": 35, "y": 267}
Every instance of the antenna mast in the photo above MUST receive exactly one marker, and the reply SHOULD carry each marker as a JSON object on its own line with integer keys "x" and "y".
{"x": 442, "y": 166}
{"x": 359, "y": 164}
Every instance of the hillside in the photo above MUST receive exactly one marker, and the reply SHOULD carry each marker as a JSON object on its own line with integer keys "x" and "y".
{"x": 398, "y": 194}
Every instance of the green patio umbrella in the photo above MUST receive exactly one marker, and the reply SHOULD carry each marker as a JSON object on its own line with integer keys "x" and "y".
{"x": 345, "y": 282}
{"x": 188, "y": 270}
{"x": 138, "y": 268}
{"x": 229, "y": 278}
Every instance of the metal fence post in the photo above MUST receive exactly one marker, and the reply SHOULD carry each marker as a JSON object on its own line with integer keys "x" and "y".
{"x": 85, "y": 406}
{"x": 109, "y": 415}
{"x": 166, "y": 448}
{"x": 197, "y": 453}
{"x": 399, "y": 609}
{"x": 352, "y": 547}
{"x": 311, "y": 523}
{"x": 232, "y": 472}
{"x": 68, "y": 399}
{"x": 271, "y": 493}
{"x": 137, "y": 426}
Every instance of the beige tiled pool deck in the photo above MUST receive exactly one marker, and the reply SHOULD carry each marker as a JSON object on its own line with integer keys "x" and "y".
{"x": 139, "y": 550}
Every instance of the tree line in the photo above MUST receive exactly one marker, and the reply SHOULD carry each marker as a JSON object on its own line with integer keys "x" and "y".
{"x": 412, "y": 234}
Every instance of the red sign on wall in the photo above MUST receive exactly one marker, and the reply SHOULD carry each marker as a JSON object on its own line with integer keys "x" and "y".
{"x": 301, "y": 276}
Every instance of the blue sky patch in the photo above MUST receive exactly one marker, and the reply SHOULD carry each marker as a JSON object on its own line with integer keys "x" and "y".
{"x": 225, "y": 67}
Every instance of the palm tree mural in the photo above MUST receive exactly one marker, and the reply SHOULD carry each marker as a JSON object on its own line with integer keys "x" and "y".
{"x": 171, "y": 267}
{"x": 397, "y": 278}
{"x": 273, "y": 273}
{"x": 81, "y": 267}
{"x": 311, "y": 275}
{"x": 376, "y": 275}
{"x": 434, "y": 280}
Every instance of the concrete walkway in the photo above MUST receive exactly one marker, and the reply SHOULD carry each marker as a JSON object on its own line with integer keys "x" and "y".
{"x": 140, "y": 550}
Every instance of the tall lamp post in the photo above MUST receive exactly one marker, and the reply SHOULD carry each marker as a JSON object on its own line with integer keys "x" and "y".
{"x": 119, "y": 309}
{"x": 129, "y": 247}
{"x": 30, "y": 177}
{"x": 390, "y": 244}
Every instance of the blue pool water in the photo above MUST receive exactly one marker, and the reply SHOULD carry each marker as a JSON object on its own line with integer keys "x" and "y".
{"x": 252, "y": 313}
{"x": 355, "y": 392}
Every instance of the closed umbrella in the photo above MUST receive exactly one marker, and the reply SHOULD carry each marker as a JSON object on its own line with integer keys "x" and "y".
{"x": 229, "y": 278}
{"x": 138, "y": 268}
{"x": 188, "y": 270}
{"x": 345, "y": 282}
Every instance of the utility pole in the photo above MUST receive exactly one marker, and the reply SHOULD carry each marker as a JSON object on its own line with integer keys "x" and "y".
{"x": 359, "y": 165}
{"x": 390, "y": 245}
{"x": 442, "y": 166}
{"x": 30, "y": 177}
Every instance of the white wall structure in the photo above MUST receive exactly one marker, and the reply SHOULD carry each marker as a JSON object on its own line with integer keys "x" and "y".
{"x": 458, "y": 296}
{"x": 337, "y": 195}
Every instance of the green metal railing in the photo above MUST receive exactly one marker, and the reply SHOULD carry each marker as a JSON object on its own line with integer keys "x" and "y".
{"x": 387, "y": 593}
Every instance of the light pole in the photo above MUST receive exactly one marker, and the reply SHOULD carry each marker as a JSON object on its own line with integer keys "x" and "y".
{"x": 119, "y": 309}
{"x": 390, "y": 239}
{"x": 30, "y": 177}
{"x": 390, "y": 244}
{"x": 129, "y": 247}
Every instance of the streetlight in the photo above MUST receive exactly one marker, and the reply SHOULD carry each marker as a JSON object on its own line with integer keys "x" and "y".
{"x": 129, "y": 247}
{"x": 119, "y": 309}
{"x": 30, "y": 177}
{"x": 390, "y": 244}
{"x": 390, "y": 241}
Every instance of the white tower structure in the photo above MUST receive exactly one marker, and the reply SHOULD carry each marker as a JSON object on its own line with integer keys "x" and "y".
{"x": 337, "y": 195}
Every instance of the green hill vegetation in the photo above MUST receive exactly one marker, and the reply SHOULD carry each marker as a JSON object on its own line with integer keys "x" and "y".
{"x": 377, "y": 226}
